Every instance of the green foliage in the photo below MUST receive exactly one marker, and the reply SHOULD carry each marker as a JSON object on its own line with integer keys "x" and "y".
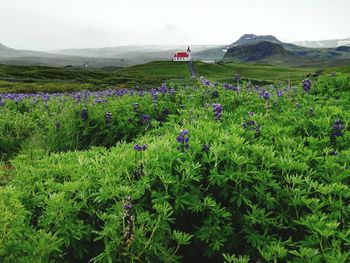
{"x": 332, "y": 85}
{"x": 280, "y": 195}
{"x": 34, "y": 79}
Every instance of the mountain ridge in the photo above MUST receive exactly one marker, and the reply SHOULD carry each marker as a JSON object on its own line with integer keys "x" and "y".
{"x": 268, "y": 49}
{"x": 247, "y": 48}
{"x": 249, "y": 38}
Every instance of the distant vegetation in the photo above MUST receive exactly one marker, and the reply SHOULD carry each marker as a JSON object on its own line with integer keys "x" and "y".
{"x": 68, "y": 79}
{"x": 49, "y": 79}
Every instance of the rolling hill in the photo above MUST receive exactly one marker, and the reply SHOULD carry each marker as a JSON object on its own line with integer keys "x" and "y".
{"x": 120, "y": 56}
{"x": 13, "y": 56}
{"x": 268, "y": 49}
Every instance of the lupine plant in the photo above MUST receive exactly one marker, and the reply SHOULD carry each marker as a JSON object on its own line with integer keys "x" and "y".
{"x": 306, "y": 85}
{"x": 217, "y": 108}
{"x": 183, "y": 140}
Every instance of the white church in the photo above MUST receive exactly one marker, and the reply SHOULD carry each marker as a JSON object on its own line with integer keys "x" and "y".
{"x": 182, "y": 56}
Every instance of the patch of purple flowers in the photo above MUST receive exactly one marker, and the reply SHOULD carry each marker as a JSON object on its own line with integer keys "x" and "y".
{"x": 145, "y": 118}
{"x": 217, "y": 108}
{"x": 84, "y": 114}
{"x": 251, "y": 125}
{"x": 140, "y": 148}
{"x": 183, "y": 140}
{"x": 128, "y": 219}
{"x": 205, "y": 148}
{"x": 215, "y": 94}
{"x": 337, "y": 131}
{"x": 108, "y": 117}
{"x": 136, "y": 107}
{"x": 237, "y": 77}
{"x": 265, "y": 95}
{"x": 337, "y": 128}
{"x": 98, "y": 100}
{"x": 306, "y": 85}
{"x": 333, "y": 153}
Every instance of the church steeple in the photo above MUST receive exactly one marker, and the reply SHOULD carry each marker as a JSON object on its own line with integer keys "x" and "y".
{"x": 188, "y": 49}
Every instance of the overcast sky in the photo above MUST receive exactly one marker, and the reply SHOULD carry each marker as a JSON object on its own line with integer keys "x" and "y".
{"x": 55, "y": 24}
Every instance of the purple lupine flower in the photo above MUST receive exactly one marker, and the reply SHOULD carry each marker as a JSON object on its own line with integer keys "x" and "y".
{"x": 84, "y": 114}
{"x": 265, "y": 95}
{"x": 127, "y": 206}
{"x": 128, "y": 219}
{"x": 98, "y": 100}
{"x": 205, "y": 148}
{"x": 145, "y": 118}
{"x": 140, "y": 148}
{"x": 251, "y": 125}
{"x": 136, "y": 107}
{"x": 279, "y": 93}
{"x": 333, "y": 153}
{"x": 215, "y": 94}
{"x": 251, "y": 113}
{"x": 337, "y": 128}
{"x": 183, "y": 140}
{"x": 108, "y": 117}
{"x": 217, "y": 108}
{"x": 237, "y": 77}
{"x": 306, "y": 85}
{"x": 204, "y": 81}
{"x": 154, "y": 95}
{"x": 163, "y": 88}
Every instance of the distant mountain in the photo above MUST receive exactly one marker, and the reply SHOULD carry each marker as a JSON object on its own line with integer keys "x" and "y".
{"x": 6, "y": 52}
{"x": 331, "y": 43}
{"x": 262, "y": 51}
{"x": 248, "y": 48}
{"x": 12, "y": 56}
{"x": 144, "y": 54}
{"x": 268, "y": 49}
{"x": 106, "y": 57}
{"x": 251, "y": 38}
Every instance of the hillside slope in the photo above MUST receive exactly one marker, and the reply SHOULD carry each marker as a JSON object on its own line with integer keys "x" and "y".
{"x": 268, "y": 49}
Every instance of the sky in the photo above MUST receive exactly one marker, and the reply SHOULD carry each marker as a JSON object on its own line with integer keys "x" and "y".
{"x": 58, "y": 24}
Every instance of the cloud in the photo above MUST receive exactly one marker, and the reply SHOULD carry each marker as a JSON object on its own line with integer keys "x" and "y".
{"x": 52, "y": 24}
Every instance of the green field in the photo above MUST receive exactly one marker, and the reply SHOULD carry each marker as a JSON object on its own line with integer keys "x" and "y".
{"x": 34, "y": 79}
{"x": 261, "y": 73}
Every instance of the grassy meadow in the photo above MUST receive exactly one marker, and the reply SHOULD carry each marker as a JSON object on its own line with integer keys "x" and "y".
{"x": 174, "y": 172}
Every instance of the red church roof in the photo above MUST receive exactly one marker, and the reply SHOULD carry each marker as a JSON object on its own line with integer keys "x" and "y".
{"x": 181, "y": 55}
